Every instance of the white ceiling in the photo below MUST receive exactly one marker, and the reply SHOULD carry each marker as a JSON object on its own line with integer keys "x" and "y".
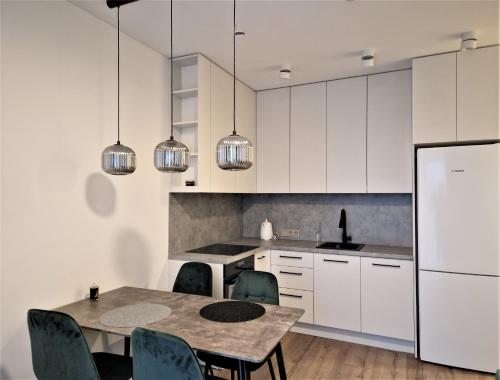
{"x": 320, "y": 39}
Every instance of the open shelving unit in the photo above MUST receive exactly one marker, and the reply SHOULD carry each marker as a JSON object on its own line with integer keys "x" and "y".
{"x": 191, "y": 97}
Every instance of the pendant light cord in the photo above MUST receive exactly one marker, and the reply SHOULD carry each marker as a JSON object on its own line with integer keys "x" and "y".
{"x": 118, "y": 38}
{"x": 234, "y": 67}
{"x": 171, "y": 72}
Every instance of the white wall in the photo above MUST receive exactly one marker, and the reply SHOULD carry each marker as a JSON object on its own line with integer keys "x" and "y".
{"x": 66, "y": 224}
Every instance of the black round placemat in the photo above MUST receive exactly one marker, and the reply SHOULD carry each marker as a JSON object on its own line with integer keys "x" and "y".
{"x": 232, "y": 311}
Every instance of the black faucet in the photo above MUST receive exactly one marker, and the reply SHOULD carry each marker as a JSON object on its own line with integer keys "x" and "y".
{"x": 343, "y": 224}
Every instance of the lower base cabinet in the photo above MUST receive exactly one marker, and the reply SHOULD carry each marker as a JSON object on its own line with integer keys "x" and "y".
{"x": 387, "y": 298}
{"x": 337, "y": 291}
{"x": 301, "y": 299}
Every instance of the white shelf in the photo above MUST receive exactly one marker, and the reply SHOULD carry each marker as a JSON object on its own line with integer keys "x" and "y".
{"x": 186, "y": 93}
{"x": 186, "y": 124}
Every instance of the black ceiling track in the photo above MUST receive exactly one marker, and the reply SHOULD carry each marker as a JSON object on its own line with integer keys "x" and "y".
{"x": 118, "y": 3}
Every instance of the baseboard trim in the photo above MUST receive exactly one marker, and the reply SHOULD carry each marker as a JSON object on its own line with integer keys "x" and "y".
{"x": 355, "y": 337}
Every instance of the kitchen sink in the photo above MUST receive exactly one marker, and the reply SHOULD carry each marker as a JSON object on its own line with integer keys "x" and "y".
{"x": 338, "y": 245}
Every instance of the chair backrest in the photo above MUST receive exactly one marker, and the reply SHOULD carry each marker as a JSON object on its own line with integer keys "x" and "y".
{"x": 158, "y": 355}
{"x": 255, "y": 286}
{"x": 194, "y": 278}
{"x": 58, "y": 348}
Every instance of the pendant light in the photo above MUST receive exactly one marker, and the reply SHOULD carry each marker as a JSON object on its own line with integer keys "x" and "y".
{"x": 171, "y": 156}
{"x": 234, "y": 152}
{"x": 118, "y": 159}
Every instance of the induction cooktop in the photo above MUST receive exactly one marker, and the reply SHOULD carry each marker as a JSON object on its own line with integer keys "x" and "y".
{"x": 223, "y": 249}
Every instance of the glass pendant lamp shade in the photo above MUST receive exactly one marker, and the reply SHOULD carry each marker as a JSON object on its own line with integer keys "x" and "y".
{"x": 171, "y": 156}
{"x": 234, "y": 152}
{"x": 118, "y": 159}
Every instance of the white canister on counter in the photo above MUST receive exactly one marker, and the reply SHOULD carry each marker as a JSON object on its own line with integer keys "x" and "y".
{"x": 266, "y": 230}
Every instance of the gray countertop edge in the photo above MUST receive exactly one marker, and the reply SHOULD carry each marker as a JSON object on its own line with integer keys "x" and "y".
{"x": 369, "y": 250}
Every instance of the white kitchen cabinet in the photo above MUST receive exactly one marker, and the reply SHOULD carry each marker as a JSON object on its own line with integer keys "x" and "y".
{"x": 308, "y": 138}
{"x": 221, "y": 121}
{"x": 477, "y": 94}
{"x": 389, "y": 147}
{"x": 301, "y": 299}
{"x": 346, "y": 135}
{"x": 337, "y": 291}
{"x": 246, "y": 125}
{"x": 387, "y": 298}
{"x": 273, "y": 141}
{"x": 292, "y": 259}
{"x": 294, "y": 277}
{"x": 262, "y": 261}
{"x": 434, "y": 98}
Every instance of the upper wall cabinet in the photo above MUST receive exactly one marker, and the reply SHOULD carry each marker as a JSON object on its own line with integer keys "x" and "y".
{"x": 273, "y": 141}
{"x": 477, "y": 94}
{"x": 455, "y": 97}
{"x": 389, "y": 149}
{"x": 346, "y": 135}
{"x": 307, "y": 138}
{"x": 223, "y": 181}
{"x": 434, "y": 98}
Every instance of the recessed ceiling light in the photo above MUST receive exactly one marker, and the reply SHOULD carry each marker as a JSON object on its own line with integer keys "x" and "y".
{"x": 469, "y": 41}
{"x": 285, "y": 71}
{"x": 367, "y": 58}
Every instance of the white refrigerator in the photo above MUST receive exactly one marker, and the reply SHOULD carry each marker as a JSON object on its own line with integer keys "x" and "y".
{"x": 458, "y": 209}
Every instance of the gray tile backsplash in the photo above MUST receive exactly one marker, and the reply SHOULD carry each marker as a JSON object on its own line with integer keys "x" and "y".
{"x": 201, "y": 219}
{"x": 371, "y": 218}
{"x": 196, "y": 220}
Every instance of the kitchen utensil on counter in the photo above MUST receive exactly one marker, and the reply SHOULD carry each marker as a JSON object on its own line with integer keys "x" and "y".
{"x": 266, "y": 230}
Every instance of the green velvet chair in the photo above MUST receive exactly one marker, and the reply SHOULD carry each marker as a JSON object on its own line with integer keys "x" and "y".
{"x": 59, "y": 351}
{"x": 251, "y": 286}
{"x": 194, "y": 278}
{"x": 159, "y": 356}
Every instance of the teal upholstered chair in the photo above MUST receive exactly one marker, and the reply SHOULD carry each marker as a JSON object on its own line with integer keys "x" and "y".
{"x": 159, "y": 356}
{"x": 194, "y": 278}
{"x": 59, "y": 351}
{"x": 251, "y": 286}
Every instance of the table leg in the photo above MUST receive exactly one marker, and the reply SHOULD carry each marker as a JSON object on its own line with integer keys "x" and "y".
{"x": 281, "y": 362}
{"x": 242, "y": 371}
{"x": 126, "y": 347}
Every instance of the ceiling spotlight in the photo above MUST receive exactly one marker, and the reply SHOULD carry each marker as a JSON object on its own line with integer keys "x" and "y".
{"x": 367, "y": 58}
{"x": 469, "y": 41}
{"x": 285, "y": 72}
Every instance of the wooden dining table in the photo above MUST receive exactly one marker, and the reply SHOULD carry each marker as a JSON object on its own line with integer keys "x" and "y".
{"x": 252, "y": 341}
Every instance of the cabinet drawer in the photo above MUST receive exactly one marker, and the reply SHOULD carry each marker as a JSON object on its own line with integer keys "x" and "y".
{"x": 300, "y": 299}
{"x": 293, "y": 277}
{"x": 337, "y": 291}
{"x": 262, "y": 262}
{"x": 387, "y": 297}
{"x": 292, "y": 259}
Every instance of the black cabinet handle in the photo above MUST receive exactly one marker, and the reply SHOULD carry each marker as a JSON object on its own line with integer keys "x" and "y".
{"x": 336, "y": 261}
{"x": 290, "y": 257}
{"x": 292, "y": 273}
{"x": 290, "y": 295}
{"x": 260, "y": 258}
{"x": 386, "y": 265}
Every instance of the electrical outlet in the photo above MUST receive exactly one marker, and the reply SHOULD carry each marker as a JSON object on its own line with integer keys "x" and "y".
{"x": 290, "y": 233}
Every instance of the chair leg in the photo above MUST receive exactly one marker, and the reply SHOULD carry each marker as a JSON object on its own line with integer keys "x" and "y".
{"x": 271, "y": 369}
{"x": 208, "y": 367}
{"x": 211, "y": 370}
{"x": 126, "y": 346}
{"x": 232, "y": 374}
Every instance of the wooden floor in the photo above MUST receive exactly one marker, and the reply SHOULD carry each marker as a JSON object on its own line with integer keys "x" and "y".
{"x": 308, "y": 358}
